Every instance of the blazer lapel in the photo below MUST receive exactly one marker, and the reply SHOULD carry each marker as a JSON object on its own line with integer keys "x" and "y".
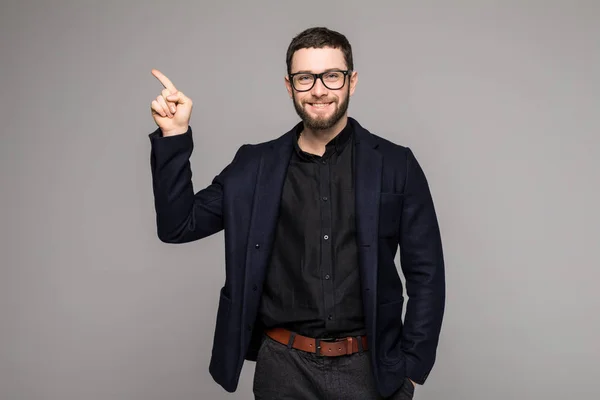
{"x": 368, "y": 186}
{"x": 368, "y": 164}
{"x": 267, "y": 198}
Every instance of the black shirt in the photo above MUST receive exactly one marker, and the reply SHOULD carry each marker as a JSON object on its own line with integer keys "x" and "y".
{"x": 312, "y": 285}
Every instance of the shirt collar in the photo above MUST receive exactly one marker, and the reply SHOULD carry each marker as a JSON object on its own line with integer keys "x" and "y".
{"x": 336, "y": 144}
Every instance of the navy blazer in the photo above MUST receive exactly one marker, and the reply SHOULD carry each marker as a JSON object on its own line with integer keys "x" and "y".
{"x": 394, "y": 208}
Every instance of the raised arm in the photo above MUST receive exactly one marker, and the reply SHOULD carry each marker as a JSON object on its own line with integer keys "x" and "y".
{"x": 181, "y": 215}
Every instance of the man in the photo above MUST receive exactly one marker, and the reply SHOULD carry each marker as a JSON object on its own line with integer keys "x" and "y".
{"x": 312, "y": 222}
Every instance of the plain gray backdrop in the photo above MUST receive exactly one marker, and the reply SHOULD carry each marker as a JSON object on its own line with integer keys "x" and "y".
{"x": 499, "y": 100}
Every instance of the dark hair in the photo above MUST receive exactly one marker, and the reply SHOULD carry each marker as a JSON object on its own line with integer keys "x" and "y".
{"x": 318, "y": 38}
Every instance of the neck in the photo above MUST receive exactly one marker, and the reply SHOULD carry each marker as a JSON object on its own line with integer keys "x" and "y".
{"x": 314, "y": 141}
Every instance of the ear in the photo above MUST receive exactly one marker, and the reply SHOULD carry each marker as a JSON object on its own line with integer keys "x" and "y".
{"x": 353, "y": 81}
{"x": 288, "y": 86}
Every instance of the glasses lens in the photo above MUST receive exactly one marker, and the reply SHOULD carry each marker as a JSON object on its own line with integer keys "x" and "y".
{"x": 303, "y": 81}
{"x": 334, "y": 80}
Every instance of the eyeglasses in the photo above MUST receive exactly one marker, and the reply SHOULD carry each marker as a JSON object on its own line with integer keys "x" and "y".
{"x": 332, "y": 80}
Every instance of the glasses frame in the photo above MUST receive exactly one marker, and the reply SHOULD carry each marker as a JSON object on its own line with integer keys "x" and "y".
{"x": 319, "y": 76}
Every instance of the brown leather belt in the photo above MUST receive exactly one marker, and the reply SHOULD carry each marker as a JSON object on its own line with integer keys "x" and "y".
{"x": 338, "y": 347}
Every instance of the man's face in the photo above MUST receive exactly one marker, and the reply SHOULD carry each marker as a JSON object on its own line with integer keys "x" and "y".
{"x": 321, "y": 108}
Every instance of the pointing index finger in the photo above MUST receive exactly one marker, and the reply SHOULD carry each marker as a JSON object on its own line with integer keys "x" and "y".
{"x": 164, "y": 80}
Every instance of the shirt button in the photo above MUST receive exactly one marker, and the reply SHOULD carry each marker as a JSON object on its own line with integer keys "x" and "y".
{"x": 324, "y": 198}
{"x": 254, "y": 287}
{"x": 327, "y": 276}
{"x": 323, "y": 162}
{"x": 257, "y": 246}
{"x": 250, "y": 327}
{"x": 330, "y": 317}
{"x": 326, "y": 237}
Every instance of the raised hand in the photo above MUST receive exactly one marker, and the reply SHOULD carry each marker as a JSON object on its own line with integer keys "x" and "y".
{"x": 171, "y": 110}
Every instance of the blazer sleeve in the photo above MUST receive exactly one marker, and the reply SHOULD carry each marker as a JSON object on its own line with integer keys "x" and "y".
{"x": 181, "y": 215}
{"x": 422, "y": 263}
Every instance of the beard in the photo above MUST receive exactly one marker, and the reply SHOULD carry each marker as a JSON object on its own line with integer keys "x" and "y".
{"x": 321, "y": 122}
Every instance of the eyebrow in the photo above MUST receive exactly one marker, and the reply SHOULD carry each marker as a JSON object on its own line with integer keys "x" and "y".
{"x": 310, "y": 72}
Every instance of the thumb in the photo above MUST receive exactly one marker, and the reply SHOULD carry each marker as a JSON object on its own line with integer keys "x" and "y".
{"x": 178, "y": 98}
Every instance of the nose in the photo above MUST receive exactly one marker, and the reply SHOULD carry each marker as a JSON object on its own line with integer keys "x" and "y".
{"x": 318, "y": 90}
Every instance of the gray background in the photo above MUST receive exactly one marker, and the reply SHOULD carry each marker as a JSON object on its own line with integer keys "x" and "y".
{"x": 499, "y": 101}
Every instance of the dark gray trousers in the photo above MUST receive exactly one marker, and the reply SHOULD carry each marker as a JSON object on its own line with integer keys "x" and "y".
{"x": 290, "y": 374}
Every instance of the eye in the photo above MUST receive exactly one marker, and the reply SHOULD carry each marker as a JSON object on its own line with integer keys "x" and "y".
{"x": 333, "y": 75}
{"x": 304, "y": 78}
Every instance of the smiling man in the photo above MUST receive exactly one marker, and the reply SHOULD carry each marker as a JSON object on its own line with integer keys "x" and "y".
{"x": 313, "y": 221}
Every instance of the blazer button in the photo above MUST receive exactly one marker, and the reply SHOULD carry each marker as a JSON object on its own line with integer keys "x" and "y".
{"x": 257, "y": 246}
{"x": 254, "y": 287}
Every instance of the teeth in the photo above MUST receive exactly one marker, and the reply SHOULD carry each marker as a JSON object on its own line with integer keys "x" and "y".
{"x": 320, "y": 105}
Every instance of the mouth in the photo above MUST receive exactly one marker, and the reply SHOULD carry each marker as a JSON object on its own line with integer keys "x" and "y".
{"x": 320, "y": 106}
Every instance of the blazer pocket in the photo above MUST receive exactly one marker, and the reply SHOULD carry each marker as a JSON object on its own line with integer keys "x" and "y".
{"x": 390, "y": 212}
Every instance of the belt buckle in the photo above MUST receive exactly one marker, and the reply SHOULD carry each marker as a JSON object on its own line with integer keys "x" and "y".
{"x": 318, "y": 344}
